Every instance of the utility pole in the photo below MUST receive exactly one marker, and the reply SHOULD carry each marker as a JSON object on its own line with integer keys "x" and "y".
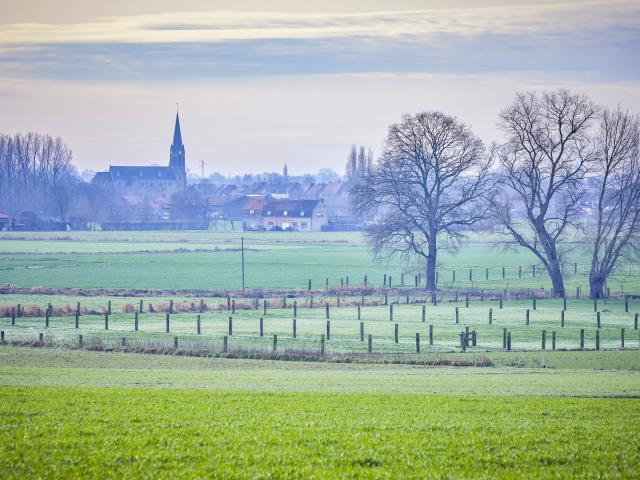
{"x": 242, "y": 250}
{"x": 201, "y": 168}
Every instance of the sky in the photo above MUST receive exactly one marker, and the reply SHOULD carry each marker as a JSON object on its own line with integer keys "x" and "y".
{"x": 264, "y": 83}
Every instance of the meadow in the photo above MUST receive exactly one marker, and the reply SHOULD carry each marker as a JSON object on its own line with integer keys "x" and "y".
{"x": 224, "y": 398}
{"x": 113, "y": 415}
{"x": 273, "y": 261}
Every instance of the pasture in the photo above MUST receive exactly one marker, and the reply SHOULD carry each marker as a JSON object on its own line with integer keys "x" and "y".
{"x": 273, "y": 261}
{"x": 108, "y": 415}
{"x": 168, "y": 369}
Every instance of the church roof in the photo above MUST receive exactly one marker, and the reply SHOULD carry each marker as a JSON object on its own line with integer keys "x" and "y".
{"x": 141, "y": 173}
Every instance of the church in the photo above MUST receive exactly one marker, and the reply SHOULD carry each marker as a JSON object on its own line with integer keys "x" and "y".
{"x": 149, "y": 181}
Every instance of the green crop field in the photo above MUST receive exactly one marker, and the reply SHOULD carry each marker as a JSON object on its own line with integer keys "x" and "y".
{"x": 69, "y": 414}
{"x": 231, "y": 401}
{"x": 275, "y": 260}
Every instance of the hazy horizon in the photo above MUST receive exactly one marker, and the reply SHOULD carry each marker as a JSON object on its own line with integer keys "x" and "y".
{"x": 261, "y": 84}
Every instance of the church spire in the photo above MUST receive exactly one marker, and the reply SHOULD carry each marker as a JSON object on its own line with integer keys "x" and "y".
{"x": 176, "y": 152}
{"x": 177, "y": 135}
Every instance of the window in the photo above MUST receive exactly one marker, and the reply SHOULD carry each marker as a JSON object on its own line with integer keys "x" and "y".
{"x": 252, "y": 212}
{"x": 268, "y": 212}
{"x": 302, "y": 213}
{"x": 285, "y": 213}
{"x": 304, "y": 225}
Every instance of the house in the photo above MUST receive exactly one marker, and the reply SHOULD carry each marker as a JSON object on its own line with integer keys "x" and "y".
{"x": 297, "y": 215}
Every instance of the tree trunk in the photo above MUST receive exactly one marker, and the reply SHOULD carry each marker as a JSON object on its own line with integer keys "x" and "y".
{"x": 555, "y": 272}
{"x": 596, "y": 284}
{"x": 430, "y": 275}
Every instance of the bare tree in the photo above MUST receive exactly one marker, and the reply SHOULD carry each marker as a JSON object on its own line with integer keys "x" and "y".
{"x": 544, "y": 161}
{"x": 352, "y": 163}
{"x": 617, "y": 181}
{"x": 429, "y": 182}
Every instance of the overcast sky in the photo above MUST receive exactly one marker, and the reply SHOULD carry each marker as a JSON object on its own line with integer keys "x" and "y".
{"x": 264, "y": 83}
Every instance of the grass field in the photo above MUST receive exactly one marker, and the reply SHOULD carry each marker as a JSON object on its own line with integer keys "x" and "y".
{"x": 344, "y": 333}
{"x": 88, "y": 414}
{"x": 211, "y": 260}
{"x": 102, "y": 410}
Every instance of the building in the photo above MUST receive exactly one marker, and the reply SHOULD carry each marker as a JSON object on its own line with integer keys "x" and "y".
{"x": 149, "y": 182}
{"x": 267, "y": 213}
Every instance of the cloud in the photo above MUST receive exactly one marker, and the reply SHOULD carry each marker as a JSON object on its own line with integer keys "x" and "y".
{"x": 221, "y": 26}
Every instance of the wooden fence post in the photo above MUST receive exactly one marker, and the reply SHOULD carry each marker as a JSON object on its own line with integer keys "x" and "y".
{"x": 564, "y": 303}
{"x": 80, "y": 340}
{"x": 622, "y": 337}
{"x": 582, "y": 339}
{"x": 41, "y": 337}
{"x": 19, "y": 311}
{"x": 106, "y": 321}
{"x": 294, "y": 328}
{"x": 500, "y": 303}
{"x": 503, "y": 273}
{"x": 140, "y": 307}
{"x": 490, "y": 316}
{"x": 326, "y": 310}
{"x": 362, "y": 331}
{"x": 553, "y": 340}
{"x": 264, "y": 307}
{"x": 167, "y": 320}
{"x": 46, "y": 319}
{"x": 508, "y": 340}
{"x": 328, "y": 329}
{"x": 233, "y": 306}
{"x": 13, "y": 317}
{"x": 598, "y": 319}
{"x": 597, "y": 339}
{"x": 626, "y": 304}
{"x": 135, "y": 322}
{"x": 370, "y": 344}
{"x": 431, "y": 334}
{"x": 171, "y": 306}
{"x": 562, "y": 318}
{"x": 504, "y": 338}
{"x": 109, "y": 307}
{"x": 295, "y": 308}
{"x": 261, "y": 327}
{"x": 275, "y": 343}
{"x": 322, "y": 343}
{"x": 534, "y": 302}
{"x": 309, "y": 287}
{"x": 77, "y": 319}
{"x": 595, "y": 304}
{"x": 225, "y": 344}
{"x": 201, "y": 305}
{"x": 198, "y": 324}
{"x": 466, "y": 300}
{"x": 424, "y": 314}
{"x": 526, "y": 321}
{"x": 396, "y": 333}
{"x": 544, "y": 339}
{"x": 230, "y": 326}
{"x": 417, "y": 343}
{"x": 457, "y": 316}
{"x": 635, "y": 322}
{"x": 175, "y": 342}
{"x": 358, "y": 311}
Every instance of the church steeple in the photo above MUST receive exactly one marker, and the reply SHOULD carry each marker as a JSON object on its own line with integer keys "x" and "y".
{"x": 176, "y": 152}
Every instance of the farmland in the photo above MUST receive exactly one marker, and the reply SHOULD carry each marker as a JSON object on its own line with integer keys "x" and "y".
{"x": 75, "y": 413}
{"x": 274, "y": 261}
{"x": 195, "y": 382}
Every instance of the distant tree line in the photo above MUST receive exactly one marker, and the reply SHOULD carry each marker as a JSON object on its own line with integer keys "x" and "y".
{"x": 568, "y": 169}
{"x": 35, "y": 173}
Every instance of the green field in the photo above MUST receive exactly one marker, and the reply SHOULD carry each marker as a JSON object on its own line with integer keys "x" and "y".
{"x": 275, "y": 260}
{"x": 108, "y": 415}
{"x": 105, "y": 409}
{"x": 344, "y": 334}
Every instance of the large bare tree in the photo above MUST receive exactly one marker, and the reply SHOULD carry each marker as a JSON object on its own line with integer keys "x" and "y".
{"x": 429, "y": 182}
{"x": 616, "y": 178}
{"x": 544, "y": 161}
